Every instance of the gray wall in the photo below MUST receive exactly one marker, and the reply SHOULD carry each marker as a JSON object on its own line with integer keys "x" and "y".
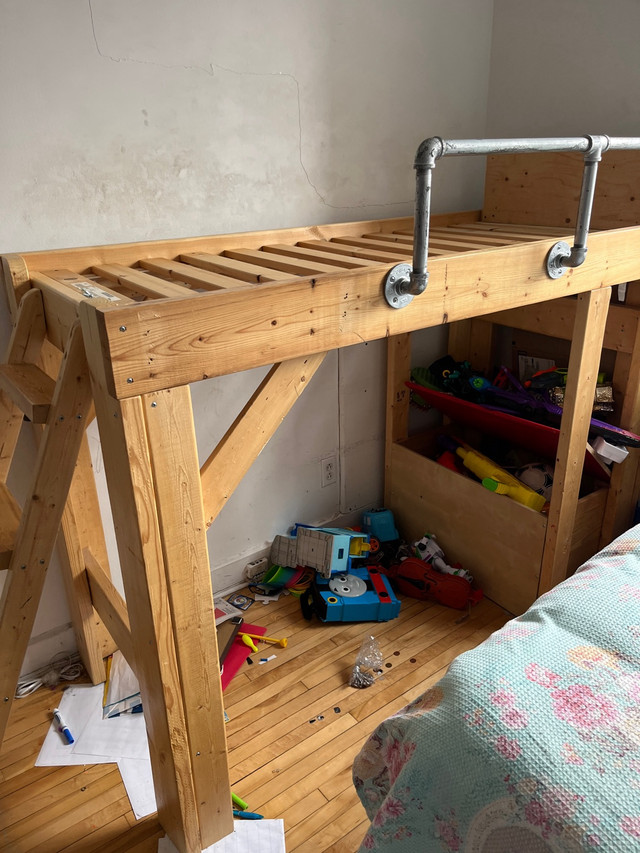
{"x": 564, "y": 67}
{"x": 129, "y": 120}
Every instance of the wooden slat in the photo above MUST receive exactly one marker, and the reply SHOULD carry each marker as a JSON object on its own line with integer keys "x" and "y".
{"x": 192, "y": 275}
{"x": 29, "y": 388}
{"x": 352, "y": 251}
{"x": 378, "y": 245}
{"x": 582, "y": 376}
{"x": 277, "y": 262}
{"x": 474, "y": 236}
{"x": 82, "y": 259}
{"x": 144, "y": 282}
{"x": 316, "y": 254}
{"x": 232, "y": 331}
{"x": 239, "y": 269}
{"x": 252, "y": 429}
{"x": 41, "y": 517}
{"x": 111, "y": 606}
{"x": 9, "y": 523}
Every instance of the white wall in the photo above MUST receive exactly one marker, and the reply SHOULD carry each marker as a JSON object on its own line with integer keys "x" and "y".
{"x": 129, "y": 120}
{"x": 564, "y": 67}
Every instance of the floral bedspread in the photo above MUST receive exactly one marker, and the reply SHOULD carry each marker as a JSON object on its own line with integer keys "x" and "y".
{"x": 530, "y": 742}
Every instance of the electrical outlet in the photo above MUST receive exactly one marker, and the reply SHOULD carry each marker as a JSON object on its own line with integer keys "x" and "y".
{"x": 256, "y": 569}
{"x": 329, "y": 468}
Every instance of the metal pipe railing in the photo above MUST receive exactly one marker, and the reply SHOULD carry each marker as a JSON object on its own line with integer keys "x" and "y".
{"x": 404, "y": 282}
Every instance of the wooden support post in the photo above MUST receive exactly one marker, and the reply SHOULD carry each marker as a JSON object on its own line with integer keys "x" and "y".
{"x": 398, "y": 395}
{"x": 174, "y": 460}
{"x": 41, "y": 517}
{"x": 150, "y": 454}
{"x": 584, "y": 361}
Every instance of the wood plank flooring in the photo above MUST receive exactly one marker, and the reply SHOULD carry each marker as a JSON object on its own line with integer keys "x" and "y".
{"x": 295, "y": 727}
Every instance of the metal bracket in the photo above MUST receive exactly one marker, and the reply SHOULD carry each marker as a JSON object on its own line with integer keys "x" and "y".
{"x": 396, "y": 286}
{"x": 557, "y": 254}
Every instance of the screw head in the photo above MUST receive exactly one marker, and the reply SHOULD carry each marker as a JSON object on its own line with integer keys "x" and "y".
{"x": 154, "y": 404}
{"x": 130, "y": 380}
{"x": 123, "y": 328}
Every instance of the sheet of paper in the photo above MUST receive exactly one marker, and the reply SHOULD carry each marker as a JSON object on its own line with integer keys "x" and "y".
{"x": 138, "y": 781}
{"x": 249, "y": 836}
{"x": 76, "y": 706}
{"x": 97, "y": 741}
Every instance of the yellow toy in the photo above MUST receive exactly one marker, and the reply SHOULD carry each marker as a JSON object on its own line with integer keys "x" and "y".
{"x": 249, "y": 637}
{"x": 498, "y": 480}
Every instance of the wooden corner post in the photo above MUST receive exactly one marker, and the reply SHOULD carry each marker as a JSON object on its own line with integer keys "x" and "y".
{"x": 152, "y": 470}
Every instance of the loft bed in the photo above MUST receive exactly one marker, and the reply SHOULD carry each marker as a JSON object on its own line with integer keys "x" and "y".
{"x": 121, "y": 331}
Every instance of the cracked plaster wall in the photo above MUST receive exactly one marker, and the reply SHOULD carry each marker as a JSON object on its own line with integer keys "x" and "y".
{"x": 129, "y": 120}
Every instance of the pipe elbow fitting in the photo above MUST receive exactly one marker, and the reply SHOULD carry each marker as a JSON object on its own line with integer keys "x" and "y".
{"x": 418, "y": 282}
{"x": 429, "y": 151}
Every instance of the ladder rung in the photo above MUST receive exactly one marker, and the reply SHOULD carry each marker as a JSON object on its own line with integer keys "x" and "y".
{"x": 9, "y": 522}
{"x": 30, "y": 389}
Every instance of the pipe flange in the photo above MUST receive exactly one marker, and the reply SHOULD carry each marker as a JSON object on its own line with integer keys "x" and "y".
{"x": 396, "y": 286}
{"x": 555, "y": 267}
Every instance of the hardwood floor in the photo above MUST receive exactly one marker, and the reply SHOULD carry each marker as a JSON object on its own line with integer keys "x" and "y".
{"x": 295, "y": 727}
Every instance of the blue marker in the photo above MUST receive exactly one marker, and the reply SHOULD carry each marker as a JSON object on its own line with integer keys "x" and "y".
{"x": 63, "y": 728}
{"x": 247, "y": 815}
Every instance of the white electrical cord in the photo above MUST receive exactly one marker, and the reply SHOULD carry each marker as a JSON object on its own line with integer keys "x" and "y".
{"x": 60, "y": 668}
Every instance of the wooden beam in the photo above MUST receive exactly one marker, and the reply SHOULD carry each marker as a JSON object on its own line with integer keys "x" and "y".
{"x": 174, "y": 460}
{"x": 582, "y": 375}
{"x": 111, "y": 606}
{"x": 41, "y": 517}
{"x": 252, "y": 429}
{"x": 25, "y": 345}
{"x": 397, "y": 399}
{"x": 9, "y": 524}
{"x": 179, "y": 341}
{"x": 131, "y": 477}
{"x": 16, "y": 280}
{"x": 556, "y": 318}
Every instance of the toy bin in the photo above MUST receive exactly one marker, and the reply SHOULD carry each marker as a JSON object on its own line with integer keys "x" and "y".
{"x": 500, "y": 542}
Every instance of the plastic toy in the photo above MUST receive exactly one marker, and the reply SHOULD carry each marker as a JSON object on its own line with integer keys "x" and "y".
{"x": 496, "y": 479}
{"x": 326, "y": 549}
{"x": 427, "y": 549}
{"x": 339, "y": 592}
{"x": 380, "y": 523}
{"x": 418, "y": 579}
{"x": 363, "y": 595}
{"x": 282, "y": 643}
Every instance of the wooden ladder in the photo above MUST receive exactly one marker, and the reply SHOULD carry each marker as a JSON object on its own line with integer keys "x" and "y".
{"x": 167, "y": 631}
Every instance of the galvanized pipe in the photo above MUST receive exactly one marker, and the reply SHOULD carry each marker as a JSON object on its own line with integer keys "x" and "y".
{"x": 403, "y": 283}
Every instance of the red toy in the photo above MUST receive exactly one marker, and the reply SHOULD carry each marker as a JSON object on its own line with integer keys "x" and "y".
{"x": 417, "y": 579}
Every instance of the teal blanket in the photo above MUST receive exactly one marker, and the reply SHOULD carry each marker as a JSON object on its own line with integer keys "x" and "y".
{"x": 531, "y": 742}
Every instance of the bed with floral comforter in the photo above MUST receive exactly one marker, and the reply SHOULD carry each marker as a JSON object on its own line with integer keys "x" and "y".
{"x": 531, "y": 742}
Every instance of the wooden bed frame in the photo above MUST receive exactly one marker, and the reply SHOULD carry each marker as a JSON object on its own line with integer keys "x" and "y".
{"x": 138, "y": 322}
